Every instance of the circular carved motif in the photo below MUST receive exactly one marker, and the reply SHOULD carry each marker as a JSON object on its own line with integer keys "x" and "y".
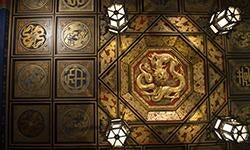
{"x": 75, "y": 78}
{"x": 75, "y": 123}
{"x": 76, "y": 35}
{"x": 32, "y": 78}
{"x": 31, "y": 123}
{"x": 161, "y": 77}
{"x": 33, "y": 36}
{"x": 34, "y": 4}
{"x": 76, "y": 3}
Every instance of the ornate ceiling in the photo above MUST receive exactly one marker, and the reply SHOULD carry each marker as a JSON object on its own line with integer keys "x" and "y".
{"x": 167, "y": 74}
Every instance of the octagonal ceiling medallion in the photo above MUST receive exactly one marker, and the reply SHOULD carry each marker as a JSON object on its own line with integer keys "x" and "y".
{"x": 163, "y": 79}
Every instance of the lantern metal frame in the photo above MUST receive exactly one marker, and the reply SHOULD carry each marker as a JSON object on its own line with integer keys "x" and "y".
{"x": 222, "y": 22}
{"x": 117, "y": 132}
{"x": 117, "y": 18}
{"x": 230, "y": 129}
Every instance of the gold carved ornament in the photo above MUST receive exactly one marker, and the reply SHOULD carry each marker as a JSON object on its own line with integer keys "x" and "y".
{"x": 76, "y": 35}
{"x": 76, "y": 3}
{"x": 33, "y": 36}
{"x": 160, "y": 79}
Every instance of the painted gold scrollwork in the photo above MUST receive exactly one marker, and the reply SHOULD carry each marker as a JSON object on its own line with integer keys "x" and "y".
{"x": 76, "y": 3}
{"x": 33, "y": 36}
{"x": 161, "y": 78}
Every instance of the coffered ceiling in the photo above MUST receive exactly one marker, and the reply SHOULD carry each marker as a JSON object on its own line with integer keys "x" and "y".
{"x": 167, "y": 74}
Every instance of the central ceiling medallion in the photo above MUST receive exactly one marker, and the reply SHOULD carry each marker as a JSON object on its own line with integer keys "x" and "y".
{"x": 160, "y": 78}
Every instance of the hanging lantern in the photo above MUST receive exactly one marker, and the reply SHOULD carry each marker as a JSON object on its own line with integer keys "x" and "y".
{"x": 116, "y": 18}
{"x": 223, "y": 21}
{"x": 229, "y": 129}
{"x": 117, "y": 132}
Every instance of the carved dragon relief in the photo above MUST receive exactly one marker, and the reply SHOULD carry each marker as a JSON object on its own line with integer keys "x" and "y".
{"x": 161, "y": 78}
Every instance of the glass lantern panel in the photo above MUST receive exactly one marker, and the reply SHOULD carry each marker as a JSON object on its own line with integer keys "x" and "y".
{"x": 227, "y": 127}
{"x": 221, "y": 14}
{"x": 121, "y": 133}
{"x": 227, "y": 136}
{"x": 118, "y": 143}
{"x": 231, "y": 9}
{"x": 112, "y": 141}
{"x": 229, "y": 17}
{"x": 235, "y": 130}
{"x": 110, "y": 13}
{"x": 212, "y": 18}
{"x": 118, "y": 6}
{"x": 222, "y": 22}
{"x": 239, "y": 128}
{"x": 229, "y": 13}
{"x": 114, "y": 17}
{"x": 237, "y": 11}
{"x": 240, "y": 139}
{"x": 218, "y": 134}
{"x": 237, "y": 17}
{"x": 230, "y": 26}
{"x": 225, "y": 32}
{"x": 244, "y": 129}
{"x": 244, "y": 136}
{"x": 122, "y": 139}
{"x": 217, "y": 124}
{"x": 122, "y": 11}
{"x": 119, "y": 16}
{"x": 111, "y": 8}
{"x": 114, "y": 24}
{"x": 214, "y": 29}
{"x": 122, "y": 21}
{"x": 124, "y": 28}
{"x": 235, "y": 136}
{"x": 112, "y": 30}
{"x": 116, "y": 131}
{"x": 125, "y": 129}
{"x": 234, "y": 19}
{"x": 111, "y": 134}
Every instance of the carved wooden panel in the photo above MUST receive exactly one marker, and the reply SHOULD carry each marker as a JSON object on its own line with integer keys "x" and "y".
{"x": 31, "y": 6}
{"x": 160, "y": 6}
{"x": 239, "y": 40}
{"x": 31, "y": 123}
{"x": 75, "y": 123}
{"x": 239, "y": 76}
{"x": 75, "y": 5}
{"x": 75, "y": 78}
{"x": 33, "y": 36}
{"x": 31, "y": 78}
{"x": 131, "y": 5}
{"x": 198, "y": 6}
{"x": 76, "y": 35}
